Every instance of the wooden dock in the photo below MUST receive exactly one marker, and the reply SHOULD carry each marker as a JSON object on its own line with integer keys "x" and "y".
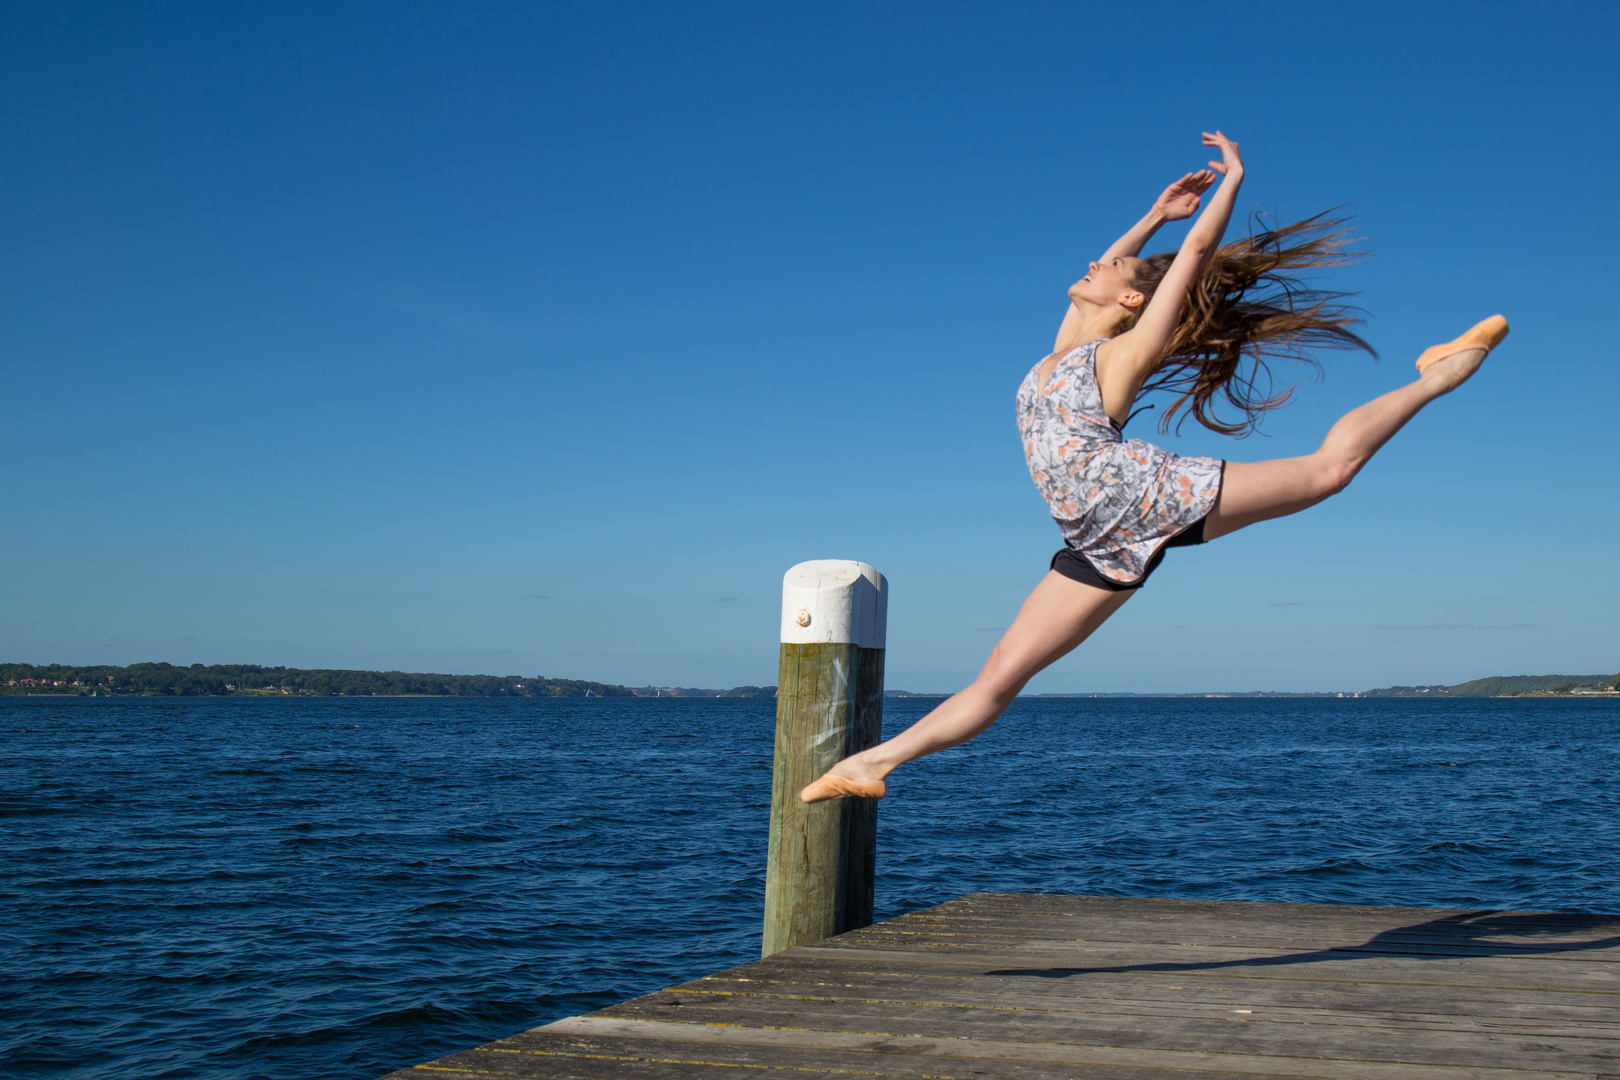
{"x": 1029, "y": 987}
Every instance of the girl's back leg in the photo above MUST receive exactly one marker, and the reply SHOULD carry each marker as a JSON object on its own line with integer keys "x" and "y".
{"x": 1058, "y": 615}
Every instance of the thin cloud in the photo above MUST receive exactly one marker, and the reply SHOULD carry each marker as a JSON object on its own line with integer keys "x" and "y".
{"x": 989, "y": 629}
{"x": 369, "y": 290}
{"x": 536, "y": 596}
{"x": 726, "y": 600}
{"x": 1288, "y": 603}
{"x": 1457, "y": 624}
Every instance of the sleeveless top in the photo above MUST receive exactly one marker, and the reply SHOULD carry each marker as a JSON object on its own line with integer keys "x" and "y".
{"x": 1116, "y": 500}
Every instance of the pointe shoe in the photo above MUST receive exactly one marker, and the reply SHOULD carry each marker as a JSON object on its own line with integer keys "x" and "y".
{"x": 836, "y": 787}
{"x": 1482, "y": 337}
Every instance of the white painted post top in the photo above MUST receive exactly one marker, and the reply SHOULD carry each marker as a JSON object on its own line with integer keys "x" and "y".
{"x": 834, "y": 601}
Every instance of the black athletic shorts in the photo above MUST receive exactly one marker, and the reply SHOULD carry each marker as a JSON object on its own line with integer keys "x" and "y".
{"x": 1071, "y": 564}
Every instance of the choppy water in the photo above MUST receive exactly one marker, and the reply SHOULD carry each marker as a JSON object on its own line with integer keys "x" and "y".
{"x": 334, "y": 888}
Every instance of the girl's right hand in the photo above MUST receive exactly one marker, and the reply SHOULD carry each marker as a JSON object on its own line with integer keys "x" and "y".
{"x": 1230, "y": 164}
{"x": 1180, "y": 199}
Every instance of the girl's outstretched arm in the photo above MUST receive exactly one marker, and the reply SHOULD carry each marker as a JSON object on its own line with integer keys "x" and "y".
{"x": 1125, "y": 361}
{"x": 1179, "y": 200}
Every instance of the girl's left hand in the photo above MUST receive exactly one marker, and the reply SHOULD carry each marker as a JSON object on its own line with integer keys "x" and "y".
{"x": 1180, "y": 199}
{"x": 1230, "y": 163}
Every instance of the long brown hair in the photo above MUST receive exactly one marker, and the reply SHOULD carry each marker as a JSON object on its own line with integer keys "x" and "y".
{"x": 1250, "y": 305}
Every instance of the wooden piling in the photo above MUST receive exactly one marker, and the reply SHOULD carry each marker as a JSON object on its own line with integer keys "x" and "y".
{"x": 829, "y": 705}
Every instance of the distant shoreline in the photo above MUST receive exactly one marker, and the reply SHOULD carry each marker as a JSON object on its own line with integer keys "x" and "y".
{"x": 1270, "y": 695}
{"x": 257, "y": 681}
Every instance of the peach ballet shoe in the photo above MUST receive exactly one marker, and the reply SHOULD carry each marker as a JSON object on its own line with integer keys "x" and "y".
{"x": 836, "y": 787}
{"x": 1485, "y": 336}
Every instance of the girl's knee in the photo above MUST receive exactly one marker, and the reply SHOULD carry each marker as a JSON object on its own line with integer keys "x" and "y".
{"x": 999, "y": 686}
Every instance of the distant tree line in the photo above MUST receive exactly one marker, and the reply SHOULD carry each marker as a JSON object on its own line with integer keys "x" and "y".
{"x": 1505, "y": 686}
{"x": 159, "y": 678}
{"x": 1407, "y": 691}
{"x": 694, "y": 691}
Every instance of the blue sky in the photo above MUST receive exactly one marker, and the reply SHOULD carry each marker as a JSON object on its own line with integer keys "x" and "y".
{"x": 542, "y": 339}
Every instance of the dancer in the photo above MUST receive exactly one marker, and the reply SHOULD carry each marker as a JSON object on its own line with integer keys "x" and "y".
{"x": 1187, "y": 324}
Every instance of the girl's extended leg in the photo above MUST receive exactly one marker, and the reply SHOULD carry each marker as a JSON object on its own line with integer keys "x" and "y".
{"x": 1255, "y": 491}
{"x": 1059, "y": 614}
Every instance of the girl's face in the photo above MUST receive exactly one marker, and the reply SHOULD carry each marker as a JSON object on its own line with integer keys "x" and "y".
{"x": 1107, "y": 283}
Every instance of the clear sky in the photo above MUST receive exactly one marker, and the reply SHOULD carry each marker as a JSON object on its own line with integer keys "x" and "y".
{"x": 542, "y": 338}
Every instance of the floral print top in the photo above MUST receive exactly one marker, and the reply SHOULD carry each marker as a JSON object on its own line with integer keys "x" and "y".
{"x": 1117, "y": 500}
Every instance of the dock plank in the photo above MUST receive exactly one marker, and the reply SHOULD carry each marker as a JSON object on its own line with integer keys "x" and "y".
{"x": 1031, "y": 987}
{"x": 970, "y": 985}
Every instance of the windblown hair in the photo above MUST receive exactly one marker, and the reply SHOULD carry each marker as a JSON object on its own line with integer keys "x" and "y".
{"x": 1250, "y": 307}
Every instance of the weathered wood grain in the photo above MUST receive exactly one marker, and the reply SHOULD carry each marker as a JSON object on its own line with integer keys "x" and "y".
{"x": 822, "y": 857}
{"x": 1038, "y": 987}
{"x": 1167, "y": 993}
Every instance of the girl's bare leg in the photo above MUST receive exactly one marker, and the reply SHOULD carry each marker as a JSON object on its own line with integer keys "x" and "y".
{"x": 1255, "y": 491}
{"x": 1059, "y": 614}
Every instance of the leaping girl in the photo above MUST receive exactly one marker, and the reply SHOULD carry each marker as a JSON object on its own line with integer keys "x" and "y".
{"x": 1200, "y": 323}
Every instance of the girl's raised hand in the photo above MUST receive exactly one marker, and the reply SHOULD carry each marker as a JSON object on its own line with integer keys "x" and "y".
{"x": 1180, "y": 199}
{"x": 1230, "y": 162}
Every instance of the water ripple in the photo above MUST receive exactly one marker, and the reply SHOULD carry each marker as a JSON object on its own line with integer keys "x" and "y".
{"x": 335, "y": 888}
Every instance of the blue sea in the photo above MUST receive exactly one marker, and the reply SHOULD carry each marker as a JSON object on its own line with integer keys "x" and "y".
{"x": 333, "y": 888}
